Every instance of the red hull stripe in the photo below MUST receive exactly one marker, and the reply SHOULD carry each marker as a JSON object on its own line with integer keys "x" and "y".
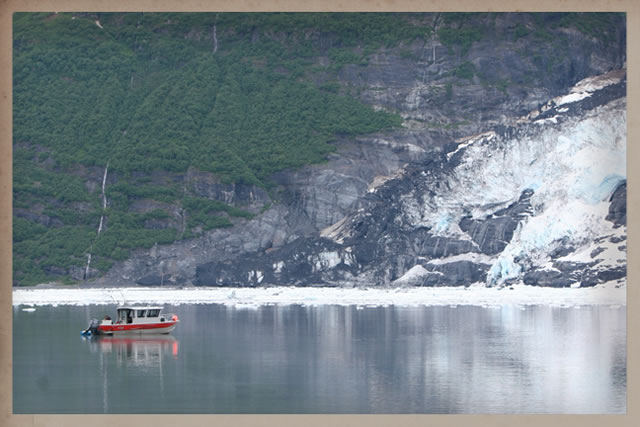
{"x": 133, "y": 327}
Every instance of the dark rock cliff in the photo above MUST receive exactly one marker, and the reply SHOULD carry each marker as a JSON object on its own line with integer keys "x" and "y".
{"x": 361, "y": 218}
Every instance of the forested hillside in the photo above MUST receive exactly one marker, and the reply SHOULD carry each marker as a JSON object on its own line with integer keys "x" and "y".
{"x": 154, "y": 92}
{"x": 133, "y": 104}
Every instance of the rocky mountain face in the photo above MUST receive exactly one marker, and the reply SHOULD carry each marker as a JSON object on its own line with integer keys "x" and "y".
{"x": 504, "y": 206}
{"x": 509, "y": 167}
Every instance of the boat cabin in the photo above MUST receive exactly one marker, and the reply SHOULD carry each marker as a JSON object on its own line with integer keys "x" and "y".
{"x": 126, "y": 315}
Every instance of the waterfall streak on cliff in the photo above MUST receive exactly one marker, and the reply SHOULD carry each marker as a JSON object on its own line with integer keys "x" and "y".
{"x": 215, "y": 39}
{"x": 104, "y": 197}
{"x": 86, "y": 269}
{"x": 104, "y": 206}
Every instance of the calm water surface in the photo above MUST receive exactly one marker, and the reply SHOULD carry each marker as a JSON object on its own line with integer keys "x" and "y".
{"x": 327, "y": 359}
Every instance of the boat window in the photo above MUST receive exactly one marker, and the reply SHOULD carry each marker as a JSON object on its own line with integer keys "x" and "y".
{"x": 153, "y": 313}
{"x": 141, "y": 313}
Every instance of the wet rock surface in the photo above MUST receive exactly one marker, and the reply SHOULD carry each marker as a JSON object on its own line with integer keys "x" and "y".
{"x": 494, "y": 233}
{"x": 618, "y": 208}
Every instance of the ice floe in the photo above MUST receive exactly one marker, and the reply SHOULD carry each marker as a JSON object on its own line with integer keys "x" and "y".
{"x": 479, "y": 295}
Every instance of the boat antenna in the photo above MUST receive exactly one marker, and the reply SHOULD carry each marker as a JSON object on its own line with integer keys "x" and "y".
{"x": 112, "y": 297}
{"x": 116, "y": 300}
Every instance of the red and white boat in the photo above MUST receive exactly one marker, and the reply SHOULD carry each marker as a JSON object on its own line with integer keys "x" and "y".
{"x": 134, "y": 320}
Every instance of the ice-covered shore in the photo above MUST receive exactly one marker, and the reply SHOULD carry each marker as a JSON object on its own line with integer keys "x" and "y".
{"x": 607, "y": 294}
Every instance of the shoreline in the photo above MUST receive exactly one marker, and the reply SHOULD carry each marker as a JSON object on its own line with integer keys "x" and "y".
{"x": 610, "y": 294}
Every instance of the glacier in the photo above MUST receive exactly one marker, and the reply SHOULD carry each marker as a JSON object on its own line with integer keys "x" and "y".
{"x": 572, "y": 167}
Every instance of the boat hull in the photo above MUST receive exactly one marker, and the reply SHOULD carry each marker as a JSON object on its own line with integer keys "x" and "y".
{"x": 137, "y": 329}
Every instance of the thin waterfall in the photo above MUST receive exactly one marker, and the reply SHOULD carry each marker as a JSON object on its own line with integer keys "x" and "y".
{"x": 86, "y": 270}
{"x": 104, "y": 207}
{"x": 104, "y": 197}
{"x": 215, "y": 39}
{"x": 215, "y": 35}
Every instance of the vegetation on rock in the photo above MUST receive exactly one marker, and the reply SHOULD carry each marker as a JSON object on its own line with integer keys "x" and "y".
{"x": 240, "y": 96}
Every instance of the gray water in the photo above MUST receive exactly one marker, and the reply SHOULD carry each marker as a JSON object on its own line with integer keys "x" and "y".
{"x": 327, "y": 359}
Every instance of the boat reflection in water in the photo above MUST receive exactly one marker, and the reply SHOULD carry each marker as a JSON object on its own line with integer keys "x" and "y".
{"x": 142, "y": 351}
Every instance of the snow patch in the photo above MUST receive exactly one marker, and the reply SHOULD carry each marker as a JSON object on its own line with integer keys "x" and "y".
{"x": 546, "y": 121}
{"x": 606, "y": 252}
{"x": 465, "y": 142}
{"x": 583, "y": 89}
{"x": 476, "y": 258}
{"x": 572, "y": 97}
{"x": 329, "y": 259}
{"x": 586, "y": 87}
{"x": 278, "y": 266}
{"x": 256, "y": 275}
